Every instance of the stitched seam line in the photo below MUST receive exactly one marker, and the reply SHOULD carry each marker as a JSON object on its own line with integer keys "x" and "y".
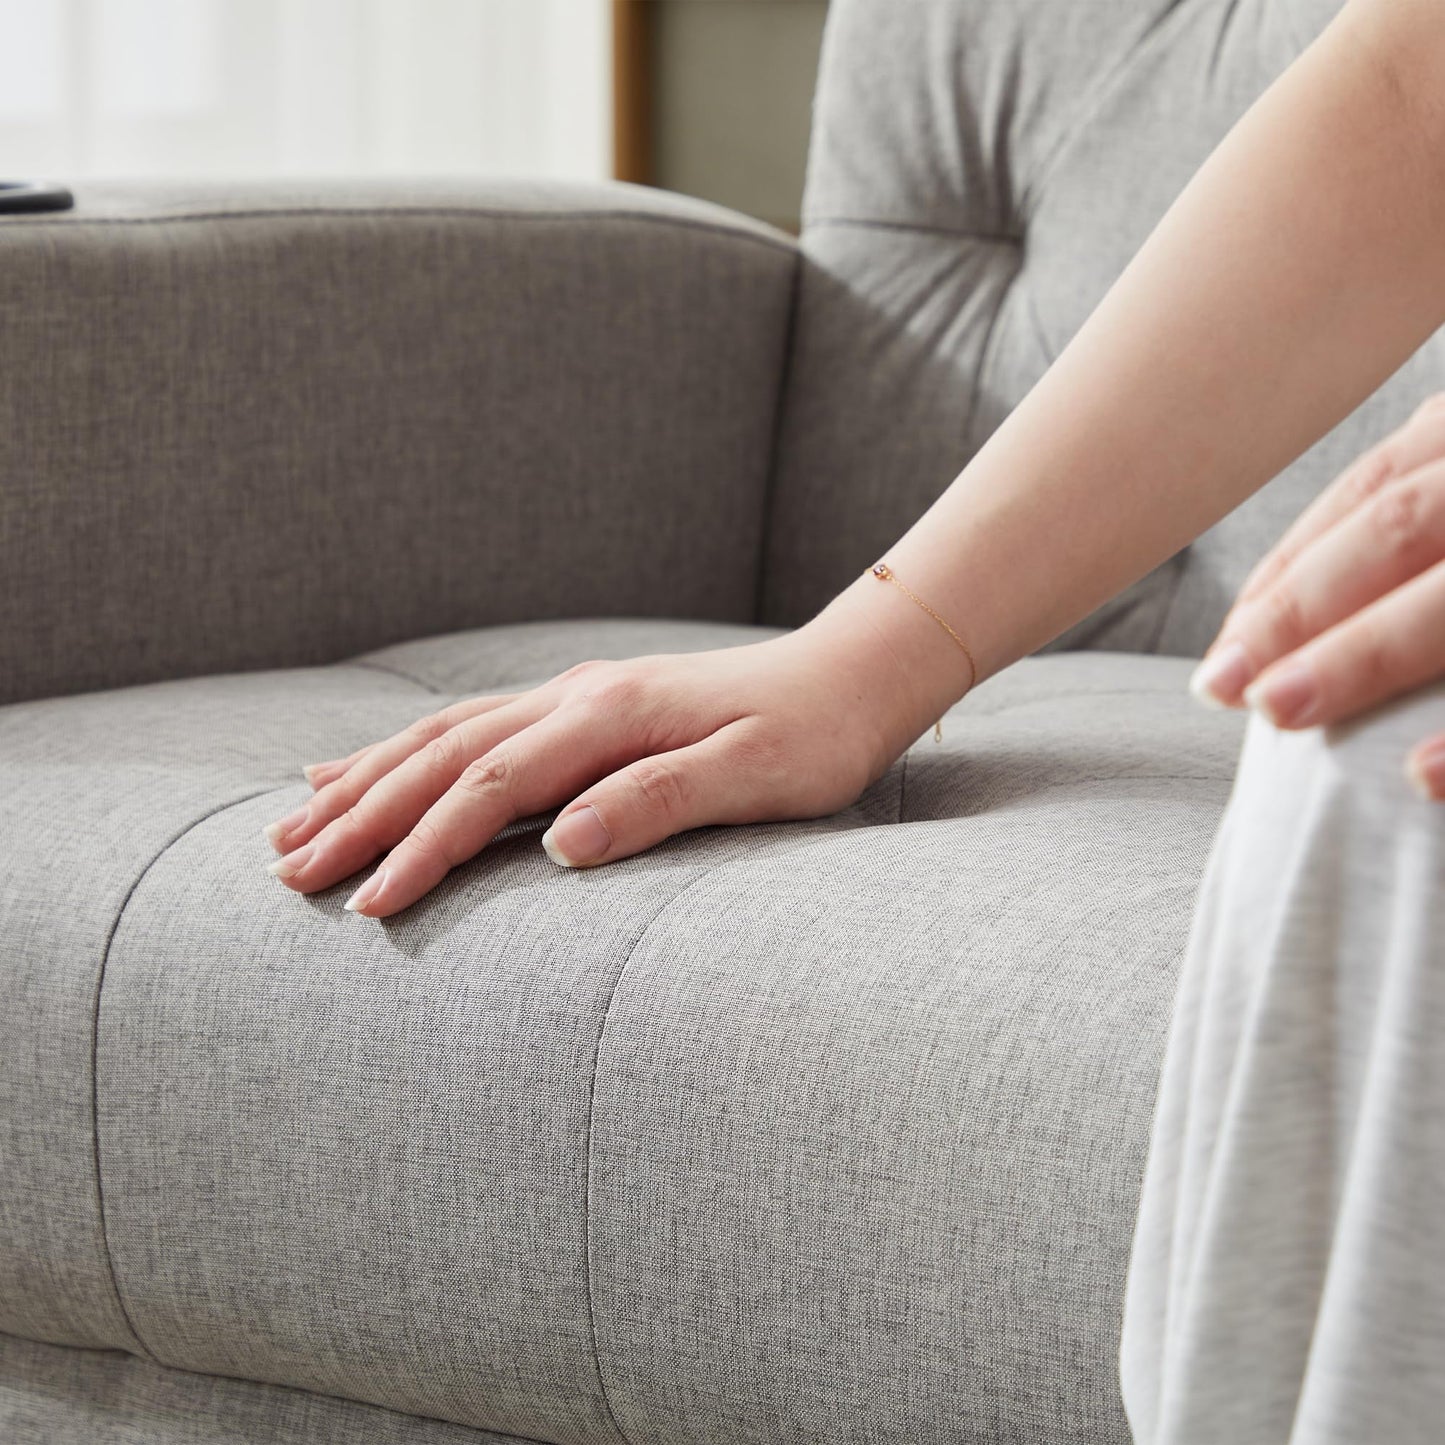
{"x": 1166, "y": 612}
{"x": 679, "y": 223}
{"x": 350, "y": 1401}
{"x": 972, "y": 709}
{"x": 393, "y": 672}
{"x": 1077, "y": 124}
{"x": 591, "y": 1109}
{"x": 985, "y": 356}
{"x": 1073, "y": 780}
{"x": 95, "y": 1052}
{"x": 1052, "y": 700}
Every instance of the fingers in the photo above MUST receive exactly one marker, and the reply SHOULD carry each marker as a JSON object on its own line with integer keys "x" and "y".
{"x": 356, "y": 774}
{"x": 319, "y": 774}
{"x": 1383, "y": 543}
{"x": 633, "y": 808}
{"x": 1392, "y": 646}
{"x": 1420, "y": 441}
{"x": 390, "y": 806}
{"x": 721, "y": 779}
{"x": 1426, "y": 768}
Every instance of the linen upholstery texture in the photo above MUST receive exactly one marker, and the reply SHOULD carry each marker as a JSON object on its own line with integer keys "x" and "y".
{"x": 361, "y": 415}
{"x": 817, "y": 1131}
{"x": 55, "y": 1396}
{"x": 980, "y": 173}
{"x": 657, "y": 1152}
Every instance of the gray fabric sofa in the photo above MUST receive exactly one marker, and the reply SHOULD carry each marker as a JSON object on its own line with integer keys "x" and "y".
{"x": 828, "y": 1131}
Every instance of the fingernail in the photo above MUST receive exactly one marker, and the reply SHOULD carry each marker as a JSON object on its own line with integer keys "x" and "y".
{"x": 577, "y": 839}
{"x": 367, "y": 892}
{"x": 1425, "y": 767}
{"x": 289, "y": 824}
{"x": 311, "y": 769}
{"x": 1219, "y": 679}
{"x": 1287, "y": 695}
{"x": 292, "y": 863}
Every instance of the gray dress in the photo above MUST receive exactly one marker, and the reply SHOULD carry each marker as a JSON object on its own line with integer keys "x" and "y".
{"x": 1287, "y": 1282}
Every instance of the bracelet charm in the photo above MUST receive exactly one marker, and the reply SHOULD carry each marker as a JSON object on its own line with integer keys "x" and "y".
{"x": 885, "y": 573}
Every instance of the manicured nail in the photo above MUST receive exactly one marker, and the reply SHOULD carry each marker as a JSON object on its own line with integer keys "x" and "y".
{"x": 1219, "y": 679}
{"x": 367, "y": 892}
{"x": 1287, "y": 695}
{"x": 289, "y": 824}
{"x": 311, "y": 769}
{"x": 577, "y": 839}
{"x": 292, "y": 863}
{"x": 1425, "y": 767}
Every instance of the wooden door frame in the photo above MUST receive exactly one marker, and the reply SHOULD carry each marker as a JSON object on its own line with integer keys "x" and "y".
{"x": 632, "y": 148}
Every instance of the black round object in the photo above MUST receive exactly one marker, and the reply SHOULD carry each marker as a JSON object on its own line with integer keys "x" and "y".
{"x": 33, "y": 196}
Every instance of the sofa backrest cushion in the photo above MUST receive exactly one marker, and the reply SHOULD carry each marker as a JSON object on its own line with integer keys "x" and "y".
{"x": 256, "y": 424}
{"x": 980, "y": 173}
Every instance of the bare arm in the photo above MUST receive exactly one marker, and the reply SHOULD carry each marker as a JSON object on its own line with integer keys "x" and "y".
{"x": 1301, "y": 266}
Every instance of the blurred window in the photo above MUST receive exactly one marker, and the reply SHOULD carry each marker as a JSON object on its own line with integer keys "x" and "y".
{"x": 304, "y": 87}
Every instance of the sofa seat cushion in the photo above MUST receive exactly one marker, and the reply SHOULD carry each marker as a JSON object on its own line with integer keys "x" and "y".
{"x": 823, "y": 1130}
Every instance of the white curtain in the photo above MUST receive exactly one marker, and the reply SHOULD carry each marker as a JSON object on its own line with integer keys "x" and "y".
{"x": 303, "y": 87}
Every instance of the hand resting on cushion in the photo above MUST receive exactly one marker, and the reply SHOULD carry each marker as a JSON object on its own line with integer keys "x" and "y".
{"x": 633, "y": 750}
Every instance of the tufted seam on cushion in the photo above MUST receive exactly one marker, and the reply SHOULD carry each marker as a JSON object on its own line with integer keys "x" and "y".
{"x": 974, "y": 709}
{"x": 1053, "y": 699}
{"x": 305, "y": 1392}
{"x": 632, "y": 948}
{"x": 1062, "y": 789}
{"x": 1076, "y": 126}
{"x": 1166, "y": 612}
{"x": 1075, "y": 779}
{"x": 985, "y": 354}
{"x": 892, "y": 223}
{"x": 1007, "y": 242}
{"x": 1041, "y": 334}
{"x": 393, "y": 672}
{"x": 95, "y": 1046}
{"x": 782, "y": 245}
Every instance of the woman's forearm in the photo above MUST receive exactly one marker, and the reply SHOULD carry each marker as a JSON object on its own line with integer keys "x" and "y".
{"x": 1300, "y": 267}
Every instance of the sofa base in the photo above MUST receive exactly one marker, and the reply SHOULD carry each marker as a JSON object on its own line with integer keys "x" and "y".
{"x": 55, "y": 1395}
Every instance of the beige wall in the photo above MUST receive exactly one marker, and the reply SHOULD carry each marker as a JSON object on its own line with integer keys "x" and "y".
{"x": 732, "y": 95}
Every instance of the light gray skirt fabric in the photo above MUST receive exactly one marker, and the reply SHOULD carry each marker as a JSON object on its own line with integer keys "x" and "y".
{"x": 1287, "y": 1282}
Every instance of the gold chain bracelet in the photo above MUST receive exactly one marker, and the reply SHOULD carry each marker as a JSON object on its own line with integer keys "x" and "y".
{"x": 885, "y": 572}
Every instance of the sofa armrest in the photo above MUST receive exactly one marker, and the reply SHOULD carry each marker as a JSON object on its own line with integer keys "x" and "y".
{"x": 279, "y": 424}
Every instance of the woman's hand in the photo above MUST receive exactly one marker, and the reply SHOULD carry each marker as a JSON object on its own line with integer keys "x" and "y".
{"x": 1348, "y": 609}
{"x": 636, "y": 750}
